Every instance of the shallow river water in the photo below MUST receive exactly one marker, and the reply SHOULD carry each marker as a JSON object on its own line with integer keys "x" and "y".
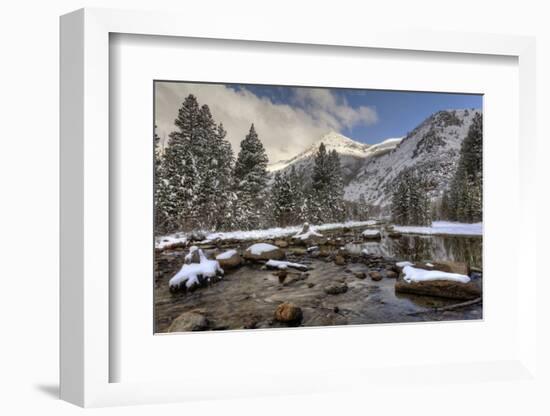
{"x": 248, "y": 296}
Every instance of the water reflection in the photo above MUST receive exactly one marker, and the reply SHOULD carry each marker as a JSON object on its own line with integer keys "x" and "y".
{"x": 426, "y": 248}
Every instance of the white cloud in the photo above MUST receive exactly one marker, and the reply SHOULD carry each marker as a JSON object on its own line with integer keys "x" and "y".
{"x": 285, "y": 130}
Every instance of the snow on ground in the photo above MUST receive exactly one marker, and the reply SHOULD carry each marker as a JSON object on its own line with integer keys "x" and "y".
{"x": 277, "y": 264}
{"x": 412, "y": 274}
{"x": 310, "y": 233}
{"x": 226, "y": 255}
{"x": 260, "y": 248}
{"x": 403, "y": 263}
{"x": 189, "y": 273}
{"x": 443, "y": 227}
{"x": 165, "y": 241}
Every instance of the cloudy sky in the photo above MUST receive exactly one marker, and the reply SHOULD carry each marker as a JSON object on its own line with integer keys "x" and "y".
{"x": 289, "y": 119}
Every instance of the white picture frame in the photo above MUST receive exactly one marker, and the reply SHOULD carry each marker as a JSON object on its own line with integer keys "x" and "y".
{"x": 85, "y": 211}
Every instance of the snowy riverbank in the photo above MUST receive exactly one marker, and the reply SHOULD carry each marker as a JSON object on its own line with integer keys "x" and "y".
{"x": 270, "y": 233}
{"x": 444, "y": 228}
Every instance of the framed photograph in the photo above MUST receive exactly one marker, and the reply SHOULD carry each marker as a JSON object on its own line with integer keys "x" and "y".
{"x": 279, "y": 199}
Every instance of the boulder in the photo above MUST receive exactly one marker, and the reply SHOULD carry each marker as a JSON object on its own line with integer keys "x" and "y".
{"x": 229, "y": 259}
{"x": 281, "y": 243}
{"x": 376, "y": 276}
{"x": 289, "y": 313}
{"x": 391, "y": 274}
{"x": 263, "y": 251}
{"x": 370, "y": 234}
{"x": 441, "y": 288}
{"x": 360, "y": 275}
{"x": 189, "y": 321}
{"x": 340, "y": 260}
{"x": 336, "y": 288}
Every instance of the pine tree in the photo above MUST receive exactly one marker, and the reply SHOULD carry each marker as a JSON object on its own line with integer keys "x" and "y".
{"x": 320, "y": 186}
{"x": 250, "y": 179}
{"x": 178, "y": 172}
{"x": 282, "y": 200}
{"x": 299, "y": 205}
{"x": 465, "y": 199}
{"x": 410, "y": 201}
{"x": 335, "y": 199}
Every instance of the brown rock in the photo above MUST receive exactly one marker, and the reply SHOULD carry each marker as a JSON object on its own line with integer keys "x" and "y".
{"x": 445, "y": 266}
{"x": 391, "y": 274}
{"x": 339, "y": 260}
{"x": 281, "y": 243}
{"x": 376, "y": 276}
{"x": 232, "y": 261}
{"x": 189, "y": 321}
{"x": 288, "y": 313}
{"x": 360, "y": 275}
{"x": 441, "y": 288}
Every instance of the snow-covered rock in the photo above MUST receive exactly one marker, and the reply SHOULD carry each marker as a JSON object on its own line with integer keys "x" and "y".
{"x": 283, "y": 265}
{"x": 413, "y": 274}
{"x": 263, "y": 251}
{"x": 229, "y": 259}
{"x": 371, "y": 234}
{"x": 196, "y": 274}
{"x": 437, "y": 283}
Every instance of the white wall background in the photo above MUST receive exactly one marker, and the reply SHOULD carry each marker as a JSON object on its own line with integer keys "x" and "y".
{"x": 29, "y": 205}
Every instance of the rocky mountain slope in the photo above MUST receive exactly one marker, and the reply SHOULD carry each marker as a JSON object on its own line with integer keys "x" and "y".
{"x": 433, "y": 147}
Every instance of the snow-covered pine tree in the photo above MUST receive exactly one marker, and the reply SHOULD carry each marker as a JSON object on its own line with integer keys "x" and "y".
{"x": 204, "y": 148}
{"x": 466, "y": 196}
{"x": 400, "y": 200}
{"x": 299, "y": 206}
{"x": 224, "y": 197}
{"x": 282, "y": 200}
{"x": 178, "y": 173}
{"x": 320, "y": 186}
{"x": 335, "y": 199}
{"x": 410, "y": 201}
{"x": 250, "y": 178}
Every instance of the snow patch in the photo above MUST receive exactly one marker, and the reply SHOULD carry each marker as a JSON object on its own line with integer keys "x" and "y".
{"x": 404, "y": 263}
{"x": 266, "y": 234}
{"x": 226, "y": 254}
{"x": 283, "y": 265}
{"x": 309, "y": 233}
{"x": 371, "y": 233}
{"x": 412, "y": 274}
{"x": 260, "y": 248}
{"x": 443, "y": 228}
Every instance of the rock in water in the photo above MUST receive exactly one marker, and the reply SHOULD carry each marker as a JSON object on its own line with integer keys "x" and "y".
{"x": 339, "y": 260}
{"x": 193, "y": 256}
{"x": 281, "y": 243}
{"x": 189, "y": 321}
{"x": 360, "y": 275}
{"x": 391, "y": 274}
{"x": 336, "y": 288}
{"x": 376, "y": 276}
{"x": 289, "y": 313}
{"x": 229, "y": 259}
{"x": 441, "y": 288}
{"x": 263, "y": 251}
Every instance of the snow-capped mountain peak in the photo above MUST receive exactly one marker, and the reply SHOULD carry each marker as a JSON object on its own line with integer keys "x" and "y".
{"x": 352, "y": 153}
{"x": 343, "y": 145}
